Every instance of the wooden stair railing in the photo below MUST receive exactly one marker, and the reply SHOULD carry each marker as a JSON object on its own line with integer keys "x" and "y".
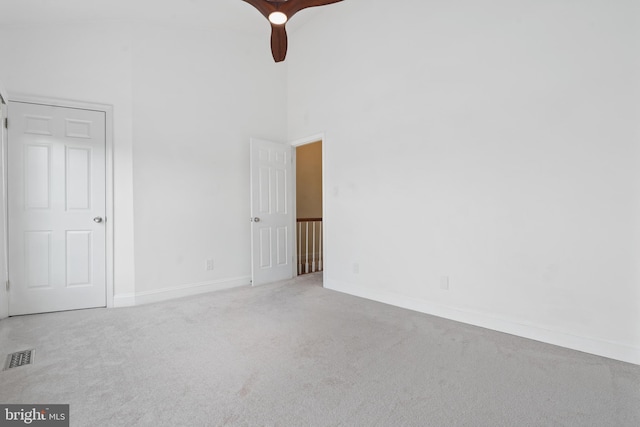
{"x": 309, "y": 245}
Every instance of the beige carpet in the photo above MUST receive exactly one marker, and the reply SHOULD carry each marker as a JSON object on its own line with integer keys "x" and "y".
{"x": 295, "y": 354}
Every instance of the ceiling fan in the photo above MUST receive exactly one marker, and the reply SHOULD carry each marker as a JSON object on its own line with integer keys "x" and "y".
{"x": 278, "y": 12}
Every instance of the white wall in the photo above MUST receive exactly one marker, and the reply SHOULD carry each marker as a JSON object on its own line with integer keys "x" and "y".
{"x": 492, "y": 142}
{"x": 199, "y": 95}
{"x": 186, "y": 102}
{"x": 91, "y": 63}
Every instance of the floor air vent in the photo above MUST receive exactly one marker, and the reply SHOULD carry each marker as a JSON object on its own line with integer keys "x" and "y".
{"x": 19, "y": 358}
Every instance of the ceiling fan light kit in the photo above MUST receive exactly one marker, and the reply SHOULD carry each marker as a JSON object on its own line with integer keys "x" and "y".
{"x": 278, "y": 18}
{"x": 278, "y": 12}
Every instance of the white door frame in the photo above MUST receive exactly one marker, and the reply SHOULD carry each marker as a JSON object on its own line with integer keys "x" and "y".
{"x": 295, "y": 144}
{"x": 108, "y": 111}
{"x": 4, "y": 296}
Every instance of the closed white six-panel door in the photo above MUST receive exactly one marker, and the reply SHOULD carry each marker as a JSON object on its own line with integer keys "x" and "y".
{"x": 271, "y": 212}
{"x": 56, "y": 208}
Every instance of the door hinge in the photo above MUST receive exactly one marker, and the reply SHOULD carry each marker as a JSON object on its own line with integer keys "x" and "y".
{"x": 8, "y": 285}
{"x": 6, "y": 122}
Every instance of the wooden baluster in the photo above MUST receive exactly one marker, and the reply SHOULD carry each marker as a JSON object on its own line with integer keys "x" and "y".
{"x": 313, "y": 247}
{"x": 299, "y": 260}
{"x": 306, "y": 267}
{"x": 320, "y": 247}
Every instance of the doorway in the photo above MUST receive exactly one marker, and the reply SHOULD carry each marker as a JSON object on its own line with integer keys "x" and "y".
{"x": 310, "y": 246}
{"x": 287, "y": 239}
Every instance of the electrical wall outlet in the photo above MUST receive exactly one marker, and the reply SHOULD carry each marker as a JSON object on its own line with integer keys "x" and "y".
{"x": 209, "y": 265}
{"x": 444, "y": 283}
{"x": 356, "y": 268}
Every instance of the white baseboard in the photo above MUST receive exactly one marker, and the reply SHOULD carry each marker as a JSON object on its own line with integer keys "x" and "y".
{"x": 124, "y": 300}
{"x": 164, "y": 294}
{"x": 612, "y": 350}
{"x": 4, "y": 304}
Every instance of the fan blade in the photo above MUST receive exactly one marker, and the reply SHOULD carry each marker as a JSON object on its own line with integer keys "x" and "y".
{"x": 264, "y": 7}
{"x": 292, "y": 7}
{"x": 278, "y": 42}
{"x": 289, "y": 8}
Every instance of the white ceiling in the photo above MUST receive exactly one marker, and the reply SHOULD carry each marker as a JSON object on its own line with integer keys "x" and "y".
{"x": 227, "y": 13}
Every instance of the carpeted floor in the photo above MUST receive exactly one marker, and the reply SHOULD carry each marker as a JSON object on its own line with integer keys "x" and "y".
{"x": 296, "y": 354}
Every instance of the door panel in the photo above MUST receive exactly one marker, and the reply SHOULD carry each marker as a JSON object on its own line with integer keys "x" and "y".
{"x": 37, "y": 177}
{"x": 78, "y": 188}
{"x": 37, "y": 245}
{"x": 56, "y": 187}
{"x": 79, "y": 258}
{"x": 271, "y": 203}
